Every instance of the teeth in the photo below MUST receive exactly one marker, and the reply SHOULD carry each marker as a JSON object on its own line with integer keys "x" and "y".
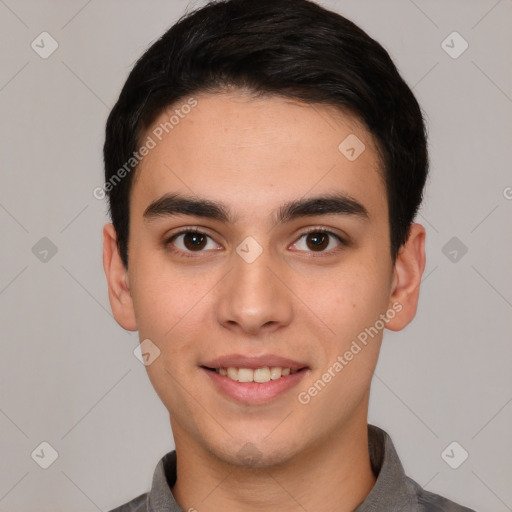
{"x": 233, "y": 373}
{"x": 245, "y": 375}
{"x": 275, "y": 372}
{"x": 261, "y": 375}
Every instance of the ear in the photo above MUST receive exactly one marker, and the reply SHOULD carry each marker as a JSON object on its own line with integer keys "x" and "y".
{"x": 408, "y": 269}
{"x": 117, "y": 278}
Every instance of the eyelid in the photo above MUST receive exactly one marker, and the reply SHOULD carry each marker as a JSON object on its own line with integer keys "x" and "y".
{"x": 188, "y": 254}
{"x": 327, "y": 231}
{"x": 314, "y": 229}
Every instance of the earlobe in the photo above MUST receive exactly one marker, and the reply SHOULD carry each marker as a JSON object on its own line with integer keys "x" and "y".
{"x": 117, "y": 279}
{"x": 407, "y": 273}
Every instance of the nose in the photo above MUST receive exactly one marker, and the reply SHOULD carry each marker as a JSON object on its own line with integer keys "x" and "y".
{"x": 252, "y": 300}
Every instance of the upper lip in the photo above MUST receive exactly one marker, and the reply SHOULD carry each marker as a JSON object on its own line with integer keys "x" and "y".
{"x": 253, "y": 362}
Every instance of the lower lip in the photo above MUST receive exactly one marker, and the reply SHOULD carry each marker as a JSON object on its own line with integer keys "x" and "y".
{"x": 254, "y": 392}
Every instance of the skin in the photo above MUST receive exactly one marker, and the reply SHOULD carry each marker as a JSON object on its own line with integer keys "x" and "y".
{"x": 294, "y": 300}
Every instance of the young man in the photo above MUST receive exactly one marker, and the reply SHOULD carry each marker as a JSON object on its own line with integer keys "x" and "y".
{"x": 264, "y": 164}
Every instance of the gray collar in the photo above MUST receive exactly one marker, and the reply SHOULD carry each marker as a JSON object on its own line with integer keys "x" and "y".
{"x": 392, "y": 492}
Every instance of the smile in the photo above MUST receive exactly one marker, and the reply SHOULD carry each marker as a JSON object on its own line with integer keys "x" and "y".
{"x": 261, "y": 375}
{"x": 254, "y": 386}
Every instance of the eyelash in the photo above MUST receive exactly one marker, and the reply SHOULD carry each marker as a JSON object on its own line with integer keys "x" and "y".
{"x": 190, "y": 254}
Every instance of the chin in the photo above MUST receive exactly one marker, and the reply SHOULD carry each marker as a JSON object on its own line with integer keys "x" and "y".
{"x": 255, "y": 454}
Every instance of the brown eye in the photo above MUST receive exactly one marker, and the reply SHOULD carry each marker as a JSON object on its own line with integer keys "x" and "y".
{"x": 317, "y": 241}
{"x": 190, "y": 241}
{"x": 194, "y": 241}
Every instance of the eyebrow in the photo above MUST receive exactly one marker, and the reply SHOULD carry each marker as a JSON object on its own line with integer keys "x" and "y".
{"x": 327, "y": 204}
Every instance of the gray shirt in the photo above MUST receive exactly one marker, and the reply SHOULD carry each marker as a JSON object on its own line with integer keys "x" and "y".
{"x": 393, "y": 491}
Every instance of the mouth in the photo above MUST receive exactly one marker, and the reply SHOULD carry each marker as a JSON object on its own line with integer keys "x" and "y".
{"x": 254, "y": 380}
{"x": 260, "y": 375}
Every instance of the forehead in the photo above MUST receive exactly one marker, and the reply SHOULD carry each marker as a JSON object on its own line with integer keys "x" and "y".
{"x": 253, "y": 151}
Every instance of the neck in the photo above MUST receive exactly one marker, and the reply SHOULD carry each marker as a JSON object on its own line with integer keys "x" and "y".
{"x": 333, "y": 475}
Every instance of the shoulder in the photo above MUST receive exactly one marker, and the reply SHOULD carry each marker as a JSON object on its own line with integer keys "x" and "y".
{"x": 430, "y": 502}
{"x": 138, "y": 504}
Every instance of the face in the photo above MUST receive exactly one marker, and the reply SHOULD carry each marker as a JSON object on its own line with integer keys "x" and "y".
{"x": 257, "y": 243}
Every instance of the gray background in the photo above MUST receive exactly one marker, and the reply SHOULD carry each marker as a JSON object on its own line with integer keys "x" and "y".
{"x": 68, "y": 373}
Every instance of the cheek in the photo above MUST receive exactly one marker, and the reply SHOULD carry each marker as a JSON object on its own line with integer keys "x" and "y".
{"x": 346, "y": 299}
{"x": 171, "y": 306}
{"x": 160, "y": 297}
{"x": 164, "y": 309}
